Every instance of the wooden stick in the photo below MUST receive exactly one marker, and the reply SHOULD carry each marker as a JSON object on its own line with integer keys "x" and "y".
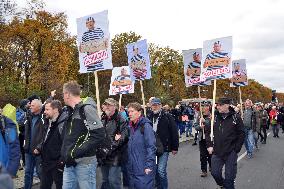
{"x": 143, "y": 97}
{"x": 201, "y": 113}
{"x": 213, "y": 109}
{"x": 98, "y": 93}
{"x": 241, "y": 102}
{"x": 120, "y": 98}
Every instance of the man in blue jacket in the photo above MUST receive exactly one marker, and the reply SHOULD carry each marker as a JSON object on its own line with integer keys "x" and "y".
{"x": 9, "y": 146}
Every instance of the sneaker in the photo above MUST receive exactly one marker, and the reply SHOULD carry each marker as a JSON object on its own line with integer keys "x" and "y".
{"x": 249, "y": 156}
{"x": 203, "y": 174}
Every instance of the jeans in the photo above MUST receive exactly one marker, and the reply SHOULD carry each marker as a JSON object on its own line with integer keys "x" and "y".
{"x": 82, "y": 176}
{"x": 181, "y": 127}
{"x": 111, "y": 177}
{"x": 162, "y": 178}
{"x": 32, "y": 161}
{"x": 275, "y": 128}
{"x": 189, "y": 127}
{"x": 230, "y": 163}
{"x": 249, "y": 140}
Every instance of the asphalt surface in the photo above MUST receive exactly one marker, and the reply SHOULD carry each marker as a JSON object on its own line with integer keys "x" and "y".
{"x": 264, "y": 171}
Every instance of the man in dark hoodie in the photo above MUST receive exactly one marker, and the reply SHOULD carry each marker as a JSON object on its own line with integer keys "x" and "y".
{"x": 52, "y": 166}
{"x": 229, "y": 134}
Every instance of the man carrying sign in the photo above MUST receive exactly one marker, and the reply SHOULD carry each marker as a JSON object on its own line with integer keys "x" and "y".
{"x": 229, "y": 135}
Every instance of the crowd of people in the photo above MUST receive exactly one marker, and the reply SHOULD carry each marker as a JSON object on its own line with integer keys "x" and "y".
{"x": 64, "y": 145}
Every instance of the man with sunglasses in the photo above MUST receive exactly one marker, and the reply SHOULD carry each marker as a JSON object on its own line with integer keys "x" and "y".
{"x": 229, "y": 134}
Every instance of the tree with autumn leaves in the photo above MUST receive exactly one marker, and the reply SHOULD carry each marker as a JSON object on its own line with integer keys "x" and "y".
{"x": 37, "y": 55}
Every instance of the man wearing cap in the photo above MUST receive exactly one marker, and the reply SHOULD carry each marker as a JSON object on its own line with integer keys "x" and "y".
{"x": 165, "y": 127}
{"x": 93, "y": 33}
{"x": 117, "y": 131}
{"x": 229, "y": 134}
{"x": 199, "y": 125}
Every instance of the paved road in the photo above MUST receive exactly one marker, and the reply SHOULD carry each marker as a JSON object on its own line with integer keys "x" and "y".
{"x": 264, "y": 171}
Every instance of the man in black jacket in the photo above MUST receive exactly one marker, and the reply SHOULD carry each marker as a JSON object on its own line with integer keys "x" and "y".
{"x": 229, "y": 134}
{"x": 52, "y": 167}
{"x": 81, "y": 137}
{"x": 117, "y": 131}
{"x": 165, "y": 127}
{"x": 34, "y": 131}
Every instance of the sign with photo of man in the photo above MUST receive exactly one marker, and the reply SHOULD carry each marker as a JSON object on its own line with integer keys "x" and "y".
{"x": 94, "y": 42}
{"x": 121, "y": 82}
{"x": 216, "y": 59}
{"x": 192, "y": 67}
{"x": 139, "y": 60}
{"x": 239, "y": 73}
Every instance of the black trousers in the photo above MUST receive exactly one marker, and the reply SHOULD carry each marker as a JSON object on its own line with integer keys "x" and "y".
{"x": 50, "y": 176}
{"x": 230, "y": 163}
{"x": 21, "y": 140}
{"x": 263, "y": 129}
{"x": 205, "y": 157}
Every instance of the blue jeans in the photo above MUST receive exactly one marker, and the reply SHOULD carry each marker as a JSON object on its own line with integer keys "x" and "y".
{"x": 162, "y": 178}
{"x": 249, "y": 140}
{"x": 275, "y": 129}
{"x": 189, "y": 127}
{"x": 111, "y": 177}
{"x": 230, "y": 162}
{"x": 81, "y": 176}
{"x": 31, "y": 162}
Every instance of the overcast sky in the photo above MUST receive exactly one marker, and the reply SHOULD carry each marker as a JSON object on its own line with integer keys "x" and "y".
{"x": 257, "y": 27}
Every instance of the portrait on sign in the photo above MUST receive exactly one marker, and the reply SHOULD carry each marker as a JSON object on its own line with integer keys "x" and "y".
{"x": 121, "y": 82}
{"x": 192, "y": 67}
{"x": 94, "y": 43}
{"x": 239, "y": 73}
{"x": 216, "y": 59}
{"x": 138, "y": 60}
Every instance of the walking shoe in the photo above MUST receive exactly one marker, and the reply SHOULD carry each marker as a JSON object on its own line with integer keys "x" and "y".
{"x": 187, "y": 136}
{"x": 274, "y": 136}
{"x": 209, "y": 169}
{"x": 249, "y": 156}
{"x": 263, "y": 142}
{"x": 194, "y": 144}
{"x": 220, "y": 187}
{"x": 277, "y": 136}
{"x": 203, "y": 174}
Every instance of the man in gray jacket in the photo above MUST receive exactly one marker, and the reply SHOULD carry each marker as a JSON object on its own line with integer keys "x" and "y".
{"x": 82, "y": 135}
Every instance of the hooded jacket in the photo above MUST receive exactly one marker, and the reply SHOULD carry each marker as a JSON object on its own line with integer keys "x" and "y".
{"x": 141, "y": 149}
{"x": 52, "y": 142}
{"x": 229, "y": 134}
{"x": 82, "y": 137}
{"x": 9, "y": 146}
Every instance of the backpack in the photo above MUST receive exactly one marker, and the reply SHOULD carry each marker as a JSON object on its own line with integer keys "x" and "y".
{"x": 104, "y": 147}
{"x": 159, "y": 144}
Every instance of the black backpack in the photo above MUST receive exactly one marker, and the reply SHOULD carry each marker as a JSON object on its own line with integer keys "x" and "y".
{"x": 104, "y": 147}
{"x": 159, "y": 144}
